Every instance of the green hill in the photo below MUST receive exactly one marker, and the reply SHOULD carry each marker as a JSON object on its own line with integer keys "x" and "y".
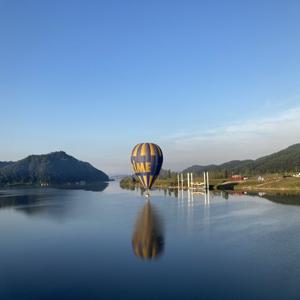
{"x": 287, "y": 160}
{"x": 52, "y": 168}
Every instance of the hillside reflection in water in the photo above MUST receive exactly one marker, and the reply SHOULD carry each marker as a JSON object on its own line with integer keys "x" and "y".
{"x": 45, "y": 201}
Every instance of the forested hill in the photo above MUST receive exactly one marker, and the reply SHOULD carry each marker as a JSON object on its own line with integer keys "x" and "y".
{"x": 52, "y": 168}
{"x": 5, "y": 163}
{"x": 287, "y": 160}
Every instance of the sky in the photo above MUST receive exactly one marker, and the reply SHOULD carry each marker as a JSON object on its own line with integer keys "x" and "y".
{"x": 209, "y": 81}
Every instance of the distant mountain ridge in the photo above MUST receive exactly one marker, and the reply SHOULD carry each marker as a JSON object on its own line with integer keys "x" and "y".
{"x": 286, "y": 160}
{"x": 5, "y": 163}
{"x": 53, "y": 168}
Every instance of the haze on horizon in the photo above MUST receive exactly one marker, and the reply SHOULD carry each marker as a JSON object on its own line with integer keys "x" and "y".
{"x": 207, "y": 81}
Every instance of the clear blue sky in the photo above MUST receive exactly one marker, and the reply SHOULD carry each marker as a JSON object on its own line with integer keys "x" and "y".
{"x": 207, "y": 80}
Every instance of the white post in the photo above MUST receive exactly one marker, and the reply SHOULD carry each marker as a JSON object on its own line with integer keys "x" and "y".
{"x": 204, "y": 177}
{"x": 178, "y": 181}
{"x": 181, "y": 180}
{"x": 207, "y": 181}
{"x": 192, "y": 183}
{"x": 188, "y": 179}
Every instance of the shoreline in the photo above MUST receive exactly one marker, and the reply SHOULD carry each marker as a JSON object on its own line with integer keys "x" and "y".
{"x": 271, "y": 184}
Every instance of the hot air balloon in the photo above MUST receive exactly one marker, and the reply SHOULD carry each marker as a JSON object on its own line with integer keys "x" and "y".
{"x": 146, "y": 159}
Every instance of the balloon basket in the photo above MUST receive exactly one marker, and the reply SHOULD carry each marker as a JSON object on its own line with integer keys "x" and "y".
{"x": 147, "y": 194}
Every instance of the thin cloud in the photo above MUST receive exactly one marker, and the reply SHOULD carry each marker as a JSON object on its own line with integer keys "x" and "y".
{"x": 241, "y": 140}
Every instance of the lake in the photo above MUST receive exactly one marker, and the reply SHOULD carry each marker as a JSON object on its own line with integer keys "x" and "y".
{"x": 114, "y": 244}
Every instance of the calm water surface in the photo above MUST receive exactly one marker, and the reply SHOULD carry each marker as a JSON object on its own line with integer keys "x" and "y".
{"x": 113, "y": 244}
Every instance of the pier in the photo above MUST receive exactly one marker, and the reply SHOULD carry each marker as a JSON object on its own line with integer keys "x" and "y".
{"x": 190, "y": 184}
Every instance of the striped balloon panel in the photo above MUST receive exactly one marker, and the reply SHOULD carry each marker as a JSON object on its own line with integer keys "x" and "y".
{"x": 146, "y": 159}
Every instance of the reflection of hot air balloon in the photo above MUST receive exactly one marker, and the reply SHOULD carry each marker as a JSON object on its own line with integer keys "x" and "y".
{"x": 147, "y": 240}
{"x": 147, "y": 159}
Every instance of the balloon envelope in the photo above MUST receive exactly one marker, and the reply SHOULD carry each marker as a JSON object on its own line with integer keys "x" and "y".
{"x": 147, "y": 159}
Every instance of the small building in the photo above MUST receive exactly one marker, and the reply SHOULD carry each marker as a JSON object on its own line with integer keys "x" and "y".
{"x": 237, "y": 177}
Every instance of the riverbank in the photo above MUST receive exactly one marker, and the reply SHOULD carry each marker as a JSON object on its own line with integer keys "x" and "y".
{"x": 271, "y": 184}
{"x": 268, "y": 182}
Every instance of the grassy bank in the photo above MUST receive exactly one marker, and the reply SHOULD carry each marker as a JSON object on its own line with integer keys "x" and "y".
{"x": 271, "y": 182}
{"x": 130, "y": 183}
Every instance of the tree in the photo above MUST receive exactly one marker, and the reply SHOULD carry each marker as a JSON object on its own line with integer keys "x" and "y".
{"x": 169, "y": 173}
{"x": 226, "y": 173}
